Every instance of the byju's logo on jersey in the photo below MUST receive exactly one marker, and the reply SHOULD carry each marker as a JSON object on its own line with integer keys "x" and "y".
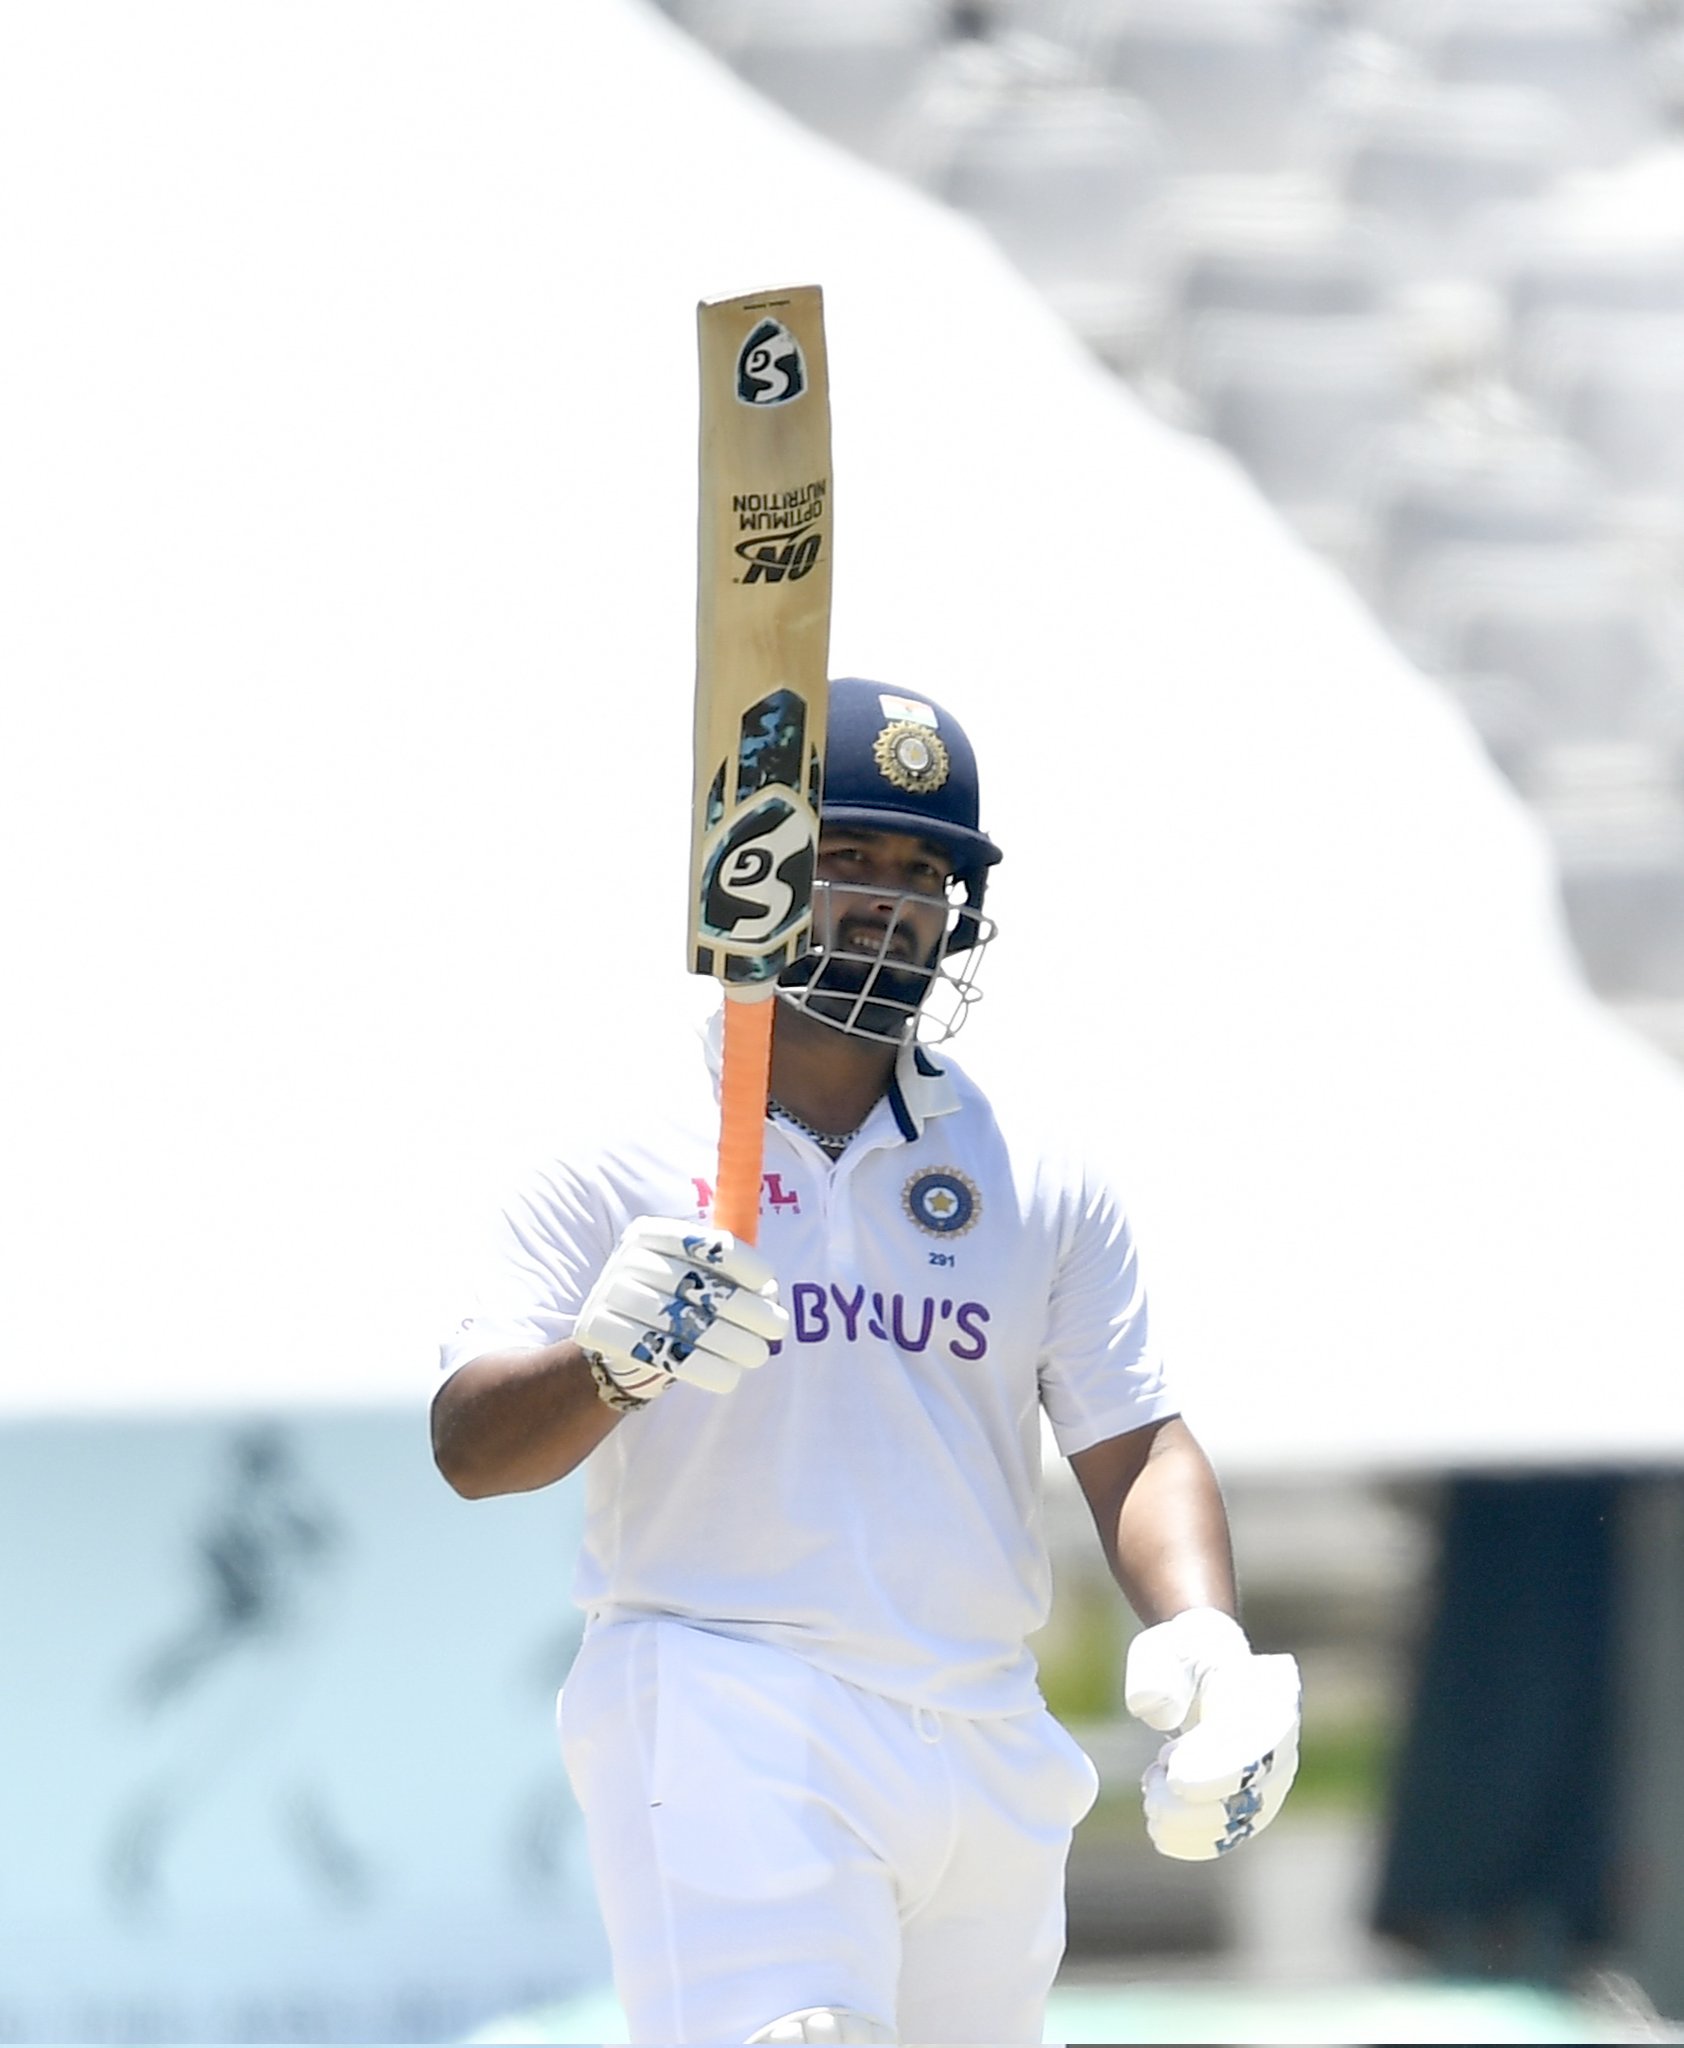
{"x": 770, "y": 367}
{"x": 942, "y": 1201}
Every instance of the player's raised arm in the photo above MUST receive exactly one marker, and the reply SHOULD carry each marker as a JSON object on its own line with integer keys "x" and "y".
{"x": 513, "y": 1421}
{"x": 673, "y": 1302}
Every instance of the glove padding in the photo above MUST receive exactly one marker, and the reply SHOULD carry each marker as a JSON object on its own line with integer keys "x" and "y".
{"x": 679, "y": 1302}
{"x": 1224, "y": 1778}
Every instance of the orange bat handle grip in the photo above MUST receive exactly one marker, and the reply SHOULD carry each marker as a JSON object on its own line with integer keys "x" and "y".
{"x": 744, "y": 1082}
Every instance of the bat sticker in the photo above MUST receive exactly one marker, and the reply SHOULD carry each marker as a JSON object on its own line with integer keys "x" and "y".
{"x": 769, "y": 749}
{"x": 773, "y": 556}
{"x": 770, "y": 367}
{"x": 758, "y": 882}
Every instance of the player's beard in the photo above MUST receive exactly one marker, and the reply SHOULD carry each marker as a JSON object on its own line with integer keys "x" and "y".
{"x": 858, "y": 988}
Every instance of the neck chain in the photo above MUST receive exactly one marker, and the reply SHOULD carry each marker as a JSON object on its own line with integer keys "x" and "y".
{"x": 831, "y": 1143}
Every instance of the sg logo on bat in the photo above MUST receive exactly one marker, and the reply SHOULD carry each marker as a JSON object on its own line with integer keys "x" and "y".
{"x": 758, "y": 880}
{"x": 771, "y": 369}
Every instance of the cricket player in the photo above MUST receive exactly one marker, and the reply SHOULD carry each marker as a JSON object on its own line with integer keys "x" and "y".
{"x": 824, "y": 1797}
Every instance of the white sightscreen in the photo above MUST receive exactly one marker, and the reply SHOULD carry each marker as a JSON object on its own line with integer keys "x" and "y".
{"x": 347, "y": 399}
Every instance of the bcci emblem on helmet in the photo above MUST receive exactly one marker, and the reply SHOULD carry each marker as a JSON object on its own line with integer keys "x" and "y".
{"x": 911, "y": 756}
{"x": 942, "y": 1201}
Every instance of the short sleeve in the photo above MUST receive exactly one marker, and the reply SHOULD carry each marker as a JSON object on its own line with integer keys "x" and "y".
{"x": 531, "y": 1278}
{"x": 1100, "y": 1374}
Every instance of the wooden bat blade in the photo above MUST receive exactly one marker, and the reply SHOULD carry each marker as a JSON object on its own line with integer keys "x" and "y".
{"x": 762, "y": 632}
{"x": 762, "y": 651}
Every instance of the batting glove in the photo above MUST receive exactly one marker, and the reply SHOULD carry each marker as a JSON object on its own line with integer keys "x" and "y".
{"x": 678, "y": 1302}
{"x": 1223, "y": 1778}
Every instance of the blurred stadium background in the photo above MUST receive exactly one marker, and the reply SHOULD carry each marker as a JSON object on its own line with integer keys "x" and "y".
{"x": 1418, "y": 266}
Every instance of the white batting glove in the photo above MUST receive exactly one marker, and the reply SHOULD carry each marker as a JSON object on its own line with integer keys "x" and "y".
{"x": 680, "y": 1302}
{"x": 1223, "y": 1779}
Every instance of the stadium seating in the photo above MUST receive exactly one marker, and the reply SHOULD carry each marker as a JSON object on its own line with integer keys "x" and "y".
{"x": 1556, "y": 266}
{"x": 1438, "y": 491}
{"x": 1071, "y": 185}
{"x": 1615, "y": 385}
{"x": 842, "y": 66}
{"x": 1615, "y": 818}
{"x": 1300, "y": 400}
{"x": 1575, "y": 626}
{"x": 1289, "y": 258}
{"x": 1582, "y": 53}
{"x": 1436, "y": 161}
{"x": 1228, "y": 78}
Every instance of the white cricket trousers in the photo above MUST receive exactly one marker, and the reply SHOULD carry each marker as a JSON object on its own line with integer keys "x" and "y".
{"x": 766, "y": 1837}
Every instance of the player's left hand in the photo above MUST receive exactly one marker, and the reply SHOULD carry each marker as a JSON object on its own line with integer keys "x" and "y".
{"x": 1223, "y": 1778}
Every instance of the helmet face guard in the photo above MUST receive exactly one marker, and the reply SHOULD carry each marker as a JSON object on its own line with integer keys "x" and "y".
{"x": 896, "y": 764}
{"x": 868, "y": 978}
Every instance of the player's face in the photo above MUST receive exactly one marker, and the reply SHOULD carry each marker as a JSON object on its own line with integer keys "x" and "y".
{"x": 887, "y": 894}
{"x": 885, "y": 905}
{"x": 880, "y": 919}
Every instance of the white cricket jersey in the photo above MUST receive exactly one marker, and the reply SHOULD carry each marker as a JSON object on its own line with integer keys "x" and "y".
{"x": 871, "y": 1497}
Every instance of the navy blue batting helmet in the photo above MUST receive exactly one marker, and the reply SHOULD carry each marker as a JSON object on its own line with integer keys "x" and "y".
{"x": 900, "y": 763}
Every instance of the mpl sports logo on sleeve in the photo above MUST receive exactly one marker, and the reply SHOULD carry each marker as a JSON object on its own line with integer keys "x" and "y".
{"x": 771, "y": 369}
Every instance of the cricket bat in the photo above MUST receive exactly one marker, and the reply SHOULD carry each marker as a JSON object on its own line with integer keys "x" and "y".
{"x": 762, "y": 649}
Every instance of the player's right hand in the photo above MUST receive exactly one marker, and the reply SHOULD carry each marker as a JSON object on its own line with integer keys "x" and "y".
{"x": 678, "y": 1301}
{"x": 1223, "y": 1778}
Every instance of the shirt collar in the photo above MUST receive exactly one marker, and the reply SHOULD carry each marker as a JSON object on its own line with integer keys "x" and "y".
{"x": 918, "y": 1088}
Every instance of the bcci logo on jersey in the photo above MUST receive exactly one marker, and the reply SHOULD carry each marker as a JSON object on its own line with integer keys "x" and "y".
{"x": 942, "y": 1201}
